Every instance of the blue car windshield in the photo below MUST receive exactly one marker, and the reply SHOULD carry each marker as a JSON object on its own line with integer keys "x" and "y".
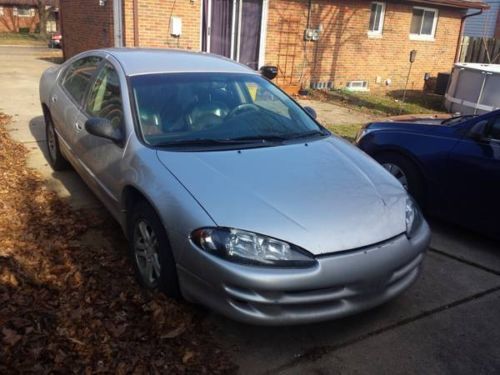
{"x": 201, "y": 108}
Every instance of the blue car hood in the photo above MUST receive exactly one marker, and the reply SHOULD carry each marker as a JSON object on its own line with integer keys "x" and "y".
{"x": 325, "y": 196}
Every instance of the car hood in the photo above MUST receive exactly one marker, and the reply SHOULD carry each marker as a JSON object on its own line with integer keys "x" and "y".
{"x": 325, "y": 196}
{"x": 427, "y": 119}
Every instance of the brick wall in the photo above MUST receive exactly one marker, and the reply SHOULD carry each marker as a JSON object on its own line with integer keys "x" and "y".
{"x": 12, "y": 23}
{"x": 345, "y": 52}
{"x": 86, "y": 25}
{"x": 154, "y": 23}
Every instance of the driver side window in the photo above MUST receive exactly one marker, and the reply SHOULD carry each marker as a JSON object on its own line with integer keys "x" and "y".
{"x": 105, "y": 99}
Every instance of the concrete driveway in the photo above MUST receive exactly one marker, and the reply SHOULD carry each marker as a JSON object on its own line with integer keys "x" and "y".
{"x": 447, "y": 323}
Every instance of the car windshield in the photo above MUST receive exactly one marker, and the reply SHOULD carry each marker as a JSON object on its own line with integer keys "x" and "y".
{"x": 194, "y": 109}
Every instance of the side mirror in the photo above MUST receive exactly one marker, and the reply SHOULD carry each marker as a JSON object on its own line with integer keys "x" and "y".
{"x": 311, "y": 111}
{"x": 101, "y": 127}
{"x": 477, "y": 131}
{"x": 269, "y": 71}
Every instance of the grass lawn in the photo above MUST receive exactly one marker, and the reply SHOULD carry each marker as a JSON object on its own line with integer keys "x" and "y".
{"x": 379, "y": 105}
{"x": 22, "y": 39}
{"x": 390, "y": 104}
{"x": 347, "y": 131}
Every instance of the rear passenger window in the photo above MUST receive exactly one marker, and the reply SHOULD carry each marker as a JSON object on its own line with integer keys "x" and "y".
{"x": 77, "y": 78}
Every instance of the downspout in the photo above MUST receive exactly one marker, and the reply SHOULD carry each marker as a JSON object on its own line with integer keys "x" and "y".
{"x": 459, "y": 43}
{"x": 136, "y": 23}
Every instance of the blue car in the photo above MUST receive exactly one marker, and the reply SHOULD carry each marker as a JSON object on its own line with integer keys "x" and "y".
{"x": 451, "y": 165}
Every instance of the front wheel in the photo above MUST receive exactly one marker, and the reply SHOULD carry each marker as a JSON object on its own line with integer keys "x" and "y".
{"x": 406, "y": 172}
{"x": 150, "y": 251}
{"x": 56, "y": 159}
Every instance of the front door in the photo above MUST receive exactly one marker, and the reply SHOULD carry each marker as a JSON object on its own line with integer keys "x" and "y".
{"x": 232, "y": 28}
{"x": 101, "y": 157}
{"x": 474, "y": 184}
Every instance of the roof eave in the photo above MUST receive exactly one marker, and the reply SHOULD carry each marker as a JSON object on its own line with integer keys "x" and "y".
{"x": 461, "y": 4}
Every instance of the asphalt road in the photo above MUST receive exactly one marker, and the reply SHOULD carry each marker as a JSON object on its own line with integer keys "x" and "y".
{"x": 448, "y": 322}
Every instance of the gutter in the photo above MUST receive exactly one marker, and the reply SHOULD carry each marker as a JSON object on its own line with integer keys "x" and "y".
{"x": 459, "y": 42}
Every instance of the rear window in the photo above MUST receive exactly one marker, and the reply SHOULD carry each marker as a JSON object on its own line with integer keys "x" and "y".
{"x": 77, "y": 78}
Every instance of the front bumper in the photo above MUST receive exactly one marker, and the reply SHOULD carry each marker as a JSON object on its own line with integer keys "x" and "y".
{"x": 340, "y": 284}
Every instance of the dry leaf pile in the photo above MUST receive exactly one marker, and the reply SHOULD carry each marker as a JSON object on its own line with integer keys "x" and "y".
{"x": 70, "y": 305}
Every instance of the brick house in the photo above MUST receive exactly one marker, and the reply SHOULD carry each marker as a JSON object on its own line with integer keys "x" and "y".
{"x": 22, "y": 15}
{"x": 323, "y": 43}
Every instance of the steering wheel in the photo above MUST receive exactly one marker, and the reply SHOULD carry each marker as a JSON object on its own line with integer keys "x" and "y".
{"x": 242, "y": 108}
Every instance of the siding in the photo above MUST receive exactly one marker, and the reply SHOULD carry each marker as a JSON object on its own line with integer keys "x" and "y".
{"x": 484, "y": 24}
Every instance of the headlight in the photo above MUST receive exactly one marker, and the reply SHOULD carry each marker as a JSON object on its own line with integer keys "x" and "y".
{"x": 413, "y": 217}
{"x": 250, "y": 248}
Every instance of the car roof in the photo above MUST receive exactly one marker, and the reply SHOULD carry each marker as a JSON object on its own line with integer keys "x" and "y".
{"x": 136, "y": 61}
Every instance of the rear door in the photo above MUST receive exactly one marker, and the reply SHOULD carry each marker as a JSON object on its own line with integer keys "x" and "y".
{"x": 474, "y": 189}
{"x": 101, "y": 157}
{"x": 67, "y": 98}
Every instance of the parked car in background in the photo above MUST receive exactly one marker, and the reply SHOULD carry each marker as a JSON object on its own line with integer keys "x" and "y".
{"x": 229, "y": 192}
{"x": 55, "y": 40}
{"x": 450, "y": 165}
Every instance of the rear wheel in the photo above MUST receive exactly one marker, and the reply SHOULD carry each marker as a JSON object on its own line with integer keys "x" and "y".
{"x": 150, "y": 251}
{"x": 406, "y": 172}
{"x": 56, "y": 159}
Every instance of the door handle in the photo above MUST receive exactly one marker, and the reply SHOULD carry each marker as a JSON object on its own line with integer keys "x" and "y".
{"x": 53, "y": 99}
{"x": 78, "y": 126}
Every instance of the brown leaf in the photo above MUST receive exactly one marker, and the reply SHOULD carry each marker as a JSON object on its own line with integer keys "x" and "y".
{"x": 10, "y": 336}
{"x": 174, "y": 333}
{"x": 187, "y": 356}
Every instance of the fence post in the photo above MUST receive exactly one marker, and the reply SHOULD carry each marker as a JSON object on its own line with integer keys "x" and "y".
{"x": 463, "y": 49}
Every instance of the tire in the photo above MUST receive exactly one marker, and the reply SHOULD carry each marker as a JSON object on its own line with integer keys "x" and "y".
{"x": 55, "y": 157}
{"x": 150, "y": 251}
{"x": 410, "y": 172}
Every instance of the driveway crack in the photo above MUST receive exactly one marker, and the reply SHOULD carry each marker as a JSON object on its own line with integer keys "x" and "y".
{"x": 316, "y": 353}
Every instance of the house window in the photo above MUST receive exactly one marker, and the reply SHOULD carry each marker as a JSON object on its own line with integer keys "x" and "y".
{"x": 423, "y": 23}
{"x": 24, "y": 11}
{"x": 376, "y": 19}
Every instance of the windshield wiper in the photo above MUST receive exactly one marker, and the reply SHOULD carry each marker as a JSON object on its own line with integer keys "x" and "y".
{"x": 208, "y": 142}
{"x": 307, "y": 134}
{"x": 253, "y": 140}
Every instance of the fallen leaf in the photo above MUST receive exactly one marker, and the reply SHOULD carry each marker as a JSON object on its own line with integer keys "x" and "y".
{"x": 10, "y": 336}
{"x": 174, "y": 333}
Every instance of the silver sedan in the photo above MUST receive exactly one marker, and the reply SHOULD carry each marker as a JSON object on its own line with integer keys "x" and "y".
{"x": 230, "y": 194}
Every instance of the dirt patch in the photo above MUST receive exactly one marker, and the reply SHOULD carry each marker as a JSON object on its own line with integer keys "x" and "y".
{"x": 69, "y": 304}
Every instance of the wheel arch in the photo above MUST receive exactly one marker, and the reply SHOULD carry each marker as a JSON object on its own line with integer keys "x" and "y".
{"x": 404, "y": 153}
{"x": 129, "y": 198}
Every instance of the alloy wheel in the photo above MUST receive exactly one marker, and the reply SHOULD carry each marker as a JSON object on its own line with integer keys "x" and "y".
{"x": 397, "y": 172}
{"x": 146, "y": 253}
{"x": 51, "y": 141}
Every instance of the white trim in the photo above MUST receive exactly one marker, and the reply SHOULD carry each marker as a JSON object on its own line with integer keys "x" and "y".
{"x": 377, "y": 33}
{"x": 263, "y": 33}
{"x": 233, "y": 31}
{"x": 209, "y": 24}
{"x": 240, "y": 12}
{"x": 201, "y": 26}
{"x": 118, "y": 23}
{"x": 1, "y": 10}
{"x": 427, "y": 37}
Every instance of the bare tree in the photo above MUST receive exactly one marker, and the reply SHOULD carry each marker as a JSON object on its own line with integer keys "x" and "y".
{"x": 43, "y": 15}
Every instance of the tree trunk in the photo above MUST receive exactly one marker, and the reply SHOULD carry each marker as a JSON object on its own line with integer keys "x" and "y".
{"x": 42, "y": 14}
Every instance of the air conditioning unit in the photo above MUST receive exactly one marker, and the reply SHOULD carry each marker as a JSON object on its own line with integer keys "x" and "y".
{"x": 357, "y": 86}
